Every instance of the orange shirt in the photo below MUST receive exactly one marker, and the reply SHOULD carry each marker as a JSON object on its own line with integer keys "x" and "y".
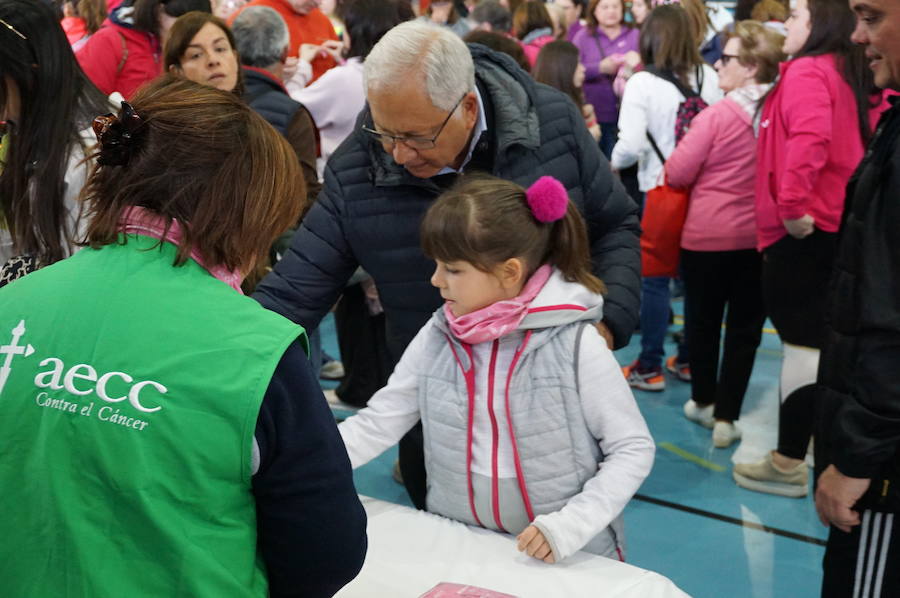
{"x": 311, "y": 28}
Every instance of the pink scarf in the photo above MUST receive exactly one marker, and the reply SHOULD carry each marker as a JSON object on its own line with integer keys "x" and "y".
{"x": 140, "y": 221}
{"x": 500, "y": 318}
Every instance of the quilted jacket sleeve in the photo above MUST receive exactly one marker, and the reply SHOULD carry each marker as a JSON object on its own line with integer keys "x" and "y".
{"x": 614, "y": 231}
{"x": 310, "y": 277}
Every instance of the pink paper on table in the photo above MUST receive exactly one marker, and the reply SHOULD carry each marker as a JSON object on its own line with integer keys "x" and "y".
{"x": 458, "y": 590}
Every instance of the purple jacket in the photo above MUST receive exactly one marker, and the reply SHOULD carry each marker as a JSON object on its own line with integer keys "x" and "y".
{"x": 598, "y": 90}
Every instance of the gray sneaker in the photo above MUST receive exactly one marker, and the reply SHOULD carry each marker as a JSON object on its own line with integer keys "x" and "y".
{"x": 764, "y": 476}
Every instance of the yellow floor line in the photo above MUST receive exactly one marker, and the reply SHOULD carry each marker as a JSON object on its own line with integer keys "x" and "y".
{"x": 690, "y": 456}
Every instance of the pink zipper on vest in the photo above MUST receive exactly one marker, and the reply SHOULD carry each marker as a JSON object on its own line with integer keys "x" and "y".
{"x": 495, "y": 438}
{"x": 523, "y": 488}
{"x": 469, "y": 376}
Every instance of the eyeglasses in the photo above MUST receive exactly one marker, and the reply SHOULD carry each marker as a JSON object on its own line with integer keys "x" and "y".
{"x": 418, "y": 143}
{"x": 13, "y": 29}
{"x": 726, "y": 58}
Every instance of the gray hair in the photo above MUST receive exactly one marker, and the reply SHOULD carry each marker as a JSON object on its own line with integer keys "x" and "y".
{"x": 260, "y": 35}
{"x": 493, "y": 13}
{"x": 435, "y": 53}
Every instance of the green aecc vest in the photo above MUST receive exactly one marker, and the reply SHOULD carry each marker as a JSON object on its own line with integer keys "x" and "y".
{"x": 129, "y": 394}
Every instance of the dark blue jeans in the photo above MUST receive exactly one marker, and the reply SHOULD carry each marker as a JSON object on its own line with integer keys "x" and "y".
{"x": 609, "y": 133}
{"x": 655, "y": 310}
{"x": 654, "y": 320}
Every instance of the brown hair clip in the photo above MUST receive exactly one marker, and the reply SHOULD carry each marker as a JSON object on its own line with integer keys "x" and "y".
{"x": 119, "y": 136}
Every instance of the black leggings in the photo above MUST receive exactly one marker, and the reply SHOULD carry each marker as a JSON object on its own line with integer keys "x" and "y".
{"x": 795, "y": 282}
{"x": 795, "y": 277}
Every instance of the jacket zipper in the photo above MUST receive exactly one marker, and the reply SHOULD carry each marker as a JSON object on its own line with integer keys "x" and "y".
{"x": 520, "y": 476}
{"x": 495, "y": 438}
{"x": 469, "y": 376}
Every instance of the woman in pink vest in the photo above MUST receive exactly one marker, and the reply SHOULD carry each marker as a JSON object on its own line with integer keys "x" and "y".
{"x": 716, "y": 159}
{"x": 815, "y": 125}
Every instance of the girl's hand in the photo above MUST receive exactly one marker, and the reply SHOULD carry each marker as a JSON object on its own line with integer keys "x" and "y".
{"x": 308, "y": 52}
{"x": 800, "y": 227}
{"x": 632, "y": 59}
{"x": 533, "y": 543}
{"x": 335, "y": 48}
{"x": 290, "y": 68}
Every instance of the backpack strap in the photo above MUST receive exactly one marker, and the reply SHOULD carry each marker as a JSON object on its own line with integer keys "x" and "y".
{"x": 124, "y": 54}
{"x": 656, "y": 148}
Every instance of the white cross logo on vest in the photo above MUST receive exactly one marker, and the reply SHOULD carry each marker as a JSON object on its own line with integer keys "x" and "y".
{"x": 11, "y": 350}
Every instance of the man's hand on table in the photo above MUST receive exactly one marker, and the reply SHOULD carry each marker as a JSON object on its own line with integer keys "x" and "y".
{"x": 533, "y": 543}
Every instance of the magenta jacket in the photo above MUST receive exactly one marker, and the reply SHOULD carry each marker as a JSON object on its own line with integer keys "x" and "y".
{"x": 809, "y": 145}
{"x": 717, "y": 160}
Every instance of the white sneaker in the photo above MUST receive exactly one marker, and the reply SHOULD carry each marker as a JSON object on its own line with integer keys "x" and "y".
{"x": 698, "y": 414}
{"x": 332, "y": 370}
{"x": 765, "y": 476}
{"x": 724, "y": 434}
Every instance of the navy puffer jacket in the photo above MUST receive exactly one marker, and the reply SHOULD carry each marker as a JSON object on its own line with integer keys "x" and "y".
{"x": 369, "y": 211}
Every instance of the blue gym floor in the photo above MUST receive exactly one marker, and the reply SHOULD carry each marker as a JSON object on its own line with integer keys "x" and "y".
{"x": 689, "y": 521}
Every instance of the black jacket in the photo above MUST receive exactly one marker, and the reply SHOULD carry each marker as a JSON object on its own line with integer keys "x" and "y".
{"x": 266, "y": 95}
{"x": 858, "y": 423}
{"x": 369, "y": 211}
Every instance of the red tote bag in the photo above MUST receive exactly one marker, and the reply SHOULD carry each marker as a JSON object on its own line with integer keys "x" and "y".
{"x": 665, "y": 210}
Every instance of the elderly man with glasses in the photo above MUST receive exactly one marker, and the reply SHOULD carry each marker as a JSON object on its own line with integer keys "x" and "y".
{"x": 438, "y": 110}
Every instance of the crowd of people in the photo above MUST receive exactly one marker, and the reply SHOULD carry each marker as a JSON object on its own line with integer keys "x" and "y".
{"x": 463, "y": 184}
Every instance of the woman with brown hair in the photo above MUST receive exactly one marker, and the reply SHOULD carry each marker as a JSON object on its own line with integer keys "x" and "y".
{"x": 82, "y": 19}
{"x": 606, "y": 45}
{"x": 204, "y": 448}
{"x": 557, "y": 66}
{"x": 445, "y": 14}
{"x": 650, "y": 105}
{"x": 533, "y": 27}
{"x": 201, "y": 47}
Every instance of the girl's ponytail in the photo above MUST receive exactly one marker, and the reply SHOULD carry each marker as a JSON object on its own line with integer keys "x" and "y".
{"x": 570, "y": 251}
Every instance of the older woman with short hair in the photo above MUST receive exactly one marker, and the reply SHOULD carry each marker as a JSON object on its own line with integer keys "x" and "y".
{"x": 721, "y": 267}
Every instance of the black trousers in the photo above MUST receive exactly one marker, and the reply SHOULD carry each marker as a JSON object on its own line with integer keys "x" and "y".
{"x": 363, "y": 345}
{"x": 863, "y": 563}
{"x": 714, "y": 281}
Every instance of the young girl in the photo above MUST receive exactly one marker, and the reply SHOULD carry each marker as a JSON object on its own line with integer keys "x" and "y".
{"x": 529, "y": 425}
{"x": 557, "y": 66}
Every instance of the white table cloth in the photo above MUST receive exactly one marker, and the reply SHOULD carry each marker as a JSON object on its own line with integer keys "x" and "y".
{"x": 411, "y": 551}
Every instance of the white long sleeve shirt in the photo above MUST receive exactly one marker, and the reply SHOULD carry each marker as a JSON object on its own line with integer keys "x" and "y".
{"x": 650, "y": 103}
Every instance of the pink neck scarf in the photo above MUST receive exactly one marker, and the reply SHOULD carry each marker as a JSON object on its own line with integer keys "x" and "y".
{"x": 140, "y": 221}
{"x": 500, "y": 318}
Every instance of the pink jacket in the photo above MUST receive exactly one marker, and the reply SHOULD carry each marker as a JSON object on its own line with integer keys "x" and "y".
{"x": 809, "y": 145}
{"x": 717, "y": 159}
{"x": 533, "y": 48}
{"x": 101, "y": 59}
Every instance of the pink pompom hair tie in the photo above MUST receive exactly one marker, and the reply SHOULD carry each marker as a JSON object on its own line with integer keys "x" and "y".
{"x": 547, "y": 199}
